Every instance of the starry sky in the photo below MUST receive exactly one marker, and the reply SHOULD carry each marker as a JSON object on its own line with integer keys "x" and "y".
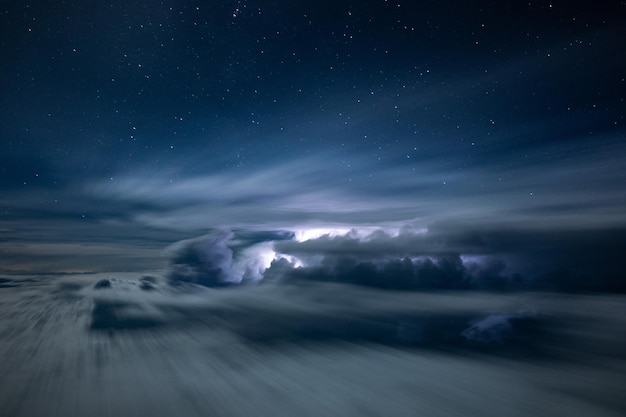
{"x": 493, "y": 128}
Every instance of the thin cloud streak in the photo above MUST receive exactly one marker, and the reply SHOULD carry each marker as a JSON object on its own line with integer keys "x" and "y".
{"x": 561, "y": 194}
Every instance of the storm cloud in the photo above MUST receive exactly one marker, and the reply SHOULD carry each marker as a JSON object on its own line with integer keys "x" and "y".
{"x": 222, "y": 258}
{"x": 441, "y": 258}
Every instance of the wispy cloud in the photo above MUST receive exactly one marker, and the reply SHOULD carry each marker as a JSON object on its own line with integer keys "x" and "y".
{"x": 324, "y": 189}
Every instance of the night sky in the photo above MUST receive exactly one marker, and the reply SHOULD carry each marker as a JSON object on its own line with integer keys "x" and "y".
{"x": 312, "y": 208}
{"x": 439, "y": 130}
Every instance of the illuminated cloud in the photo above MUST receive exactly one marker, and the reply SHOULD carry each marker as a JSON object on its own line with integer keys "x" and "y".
{"x": 223, "y": 258}
{"x": 401, "y": 259}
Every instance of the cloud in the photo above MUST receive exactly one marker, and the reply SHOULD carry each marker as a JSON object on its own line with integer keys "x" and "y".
{"x": 314, "y": 313}
{"x": 495, "y": 328}
{"x": 204, "y": 261}
{"x": 7, "y": 283}
{"x": 445, "y": 257}
{"x": 446, "y": 272}
{"x": 360, "y": 285}
{"x": 47, "y": 255}
{"x": 404, "y": 259}
{"x": 356, "y": 191}
{"x": 382, "y": 242}
{"x": 222, "y": 258}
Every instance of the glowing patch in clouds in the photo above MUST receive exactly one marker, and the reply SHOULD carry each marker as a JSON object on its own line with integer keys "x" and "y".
{"x": 360, "y": 232}
{"x": 267, "y": 256}
{"x": 315, "y": 233}
{"x": 253, "y": 261}
{"x": 297, "y": 263}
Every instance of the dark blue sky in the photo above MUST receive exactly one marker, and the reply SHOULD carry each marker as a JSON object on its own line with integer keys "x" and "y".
{"x": 126, "y": 126}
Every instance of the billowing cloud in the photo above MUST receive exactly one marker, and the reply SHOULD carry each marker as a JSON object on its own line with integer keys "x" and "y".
{"x": 223, "y": 258}
{"x": 404, "y": 259}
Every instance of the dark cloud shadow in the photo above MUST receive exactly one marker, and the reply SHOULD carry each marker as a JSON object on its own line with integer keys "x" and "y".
{"x": 111, "y": 315}
{"x": 515, "y": 336}
{"x": 7, "y": 283}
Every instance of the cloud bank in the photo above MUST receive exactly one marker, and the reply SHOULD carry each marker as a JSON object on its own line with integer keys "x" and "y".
{"x": 444, "y": 258}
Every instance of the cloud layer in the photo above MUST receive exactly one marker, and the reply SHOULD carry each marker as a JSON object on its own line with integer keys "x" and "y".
{"x": 406, "y": 259}
{"x": 359, "y": 191}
